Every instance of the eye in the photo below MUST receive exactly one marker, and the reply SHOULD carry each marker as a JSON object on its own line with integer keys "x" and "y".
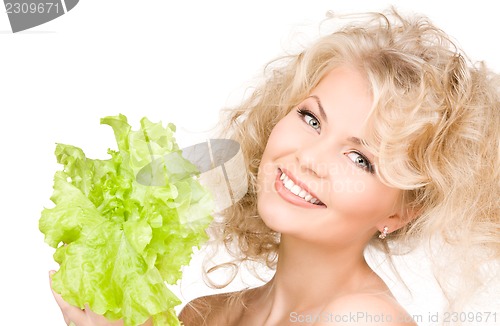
{"x": 361, "y": 161}
{"x": 309, "y": 118}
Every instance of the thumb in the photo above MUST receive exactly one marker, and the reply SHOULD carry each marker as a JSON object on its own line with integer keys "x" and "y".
{"x": 70, "y": 313}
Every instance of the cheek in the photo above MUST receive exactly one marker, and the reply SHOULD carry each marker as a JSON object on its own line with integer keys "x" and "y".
{"x": 362, "y": 196}
{"x": 278, "y": 144}
{"x": 284, "y": 132}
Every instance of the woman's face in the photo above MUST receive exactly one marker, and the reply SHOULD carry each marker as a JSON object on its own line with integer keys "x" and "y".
{"x": 316, "y": 180}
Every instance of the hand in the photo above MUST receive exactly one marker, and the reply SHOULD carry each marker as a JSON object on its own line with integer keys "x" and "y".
{"x": 84, "y": 317}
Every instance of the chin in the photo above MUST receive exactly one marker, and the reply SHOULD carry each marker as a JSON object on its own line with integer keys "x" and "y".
{"x": 277, "y": 217}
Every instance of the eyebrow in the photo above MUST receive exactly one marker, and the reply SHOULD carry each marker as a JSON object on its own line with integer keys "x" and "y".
{"x": 355, "y": 140}
{"x": 321, "y": 110}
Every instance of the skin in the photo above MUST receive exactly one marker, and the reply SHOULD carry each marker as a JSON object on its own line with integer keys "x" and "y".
{"x": 321, "y": 268}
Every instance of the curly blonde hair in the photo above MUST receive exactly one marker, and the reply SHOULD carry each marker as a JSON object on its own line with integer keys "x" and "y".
{"x": 433, "y": 127}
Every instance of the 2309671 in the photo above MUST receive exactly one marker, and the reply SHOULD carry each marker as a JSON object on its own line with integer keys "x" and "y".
{"x": 33, "y": 8}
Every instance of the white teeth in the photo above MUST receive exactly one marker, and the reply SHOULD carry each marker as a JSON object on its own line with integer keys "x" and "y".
{"x": 296, "y": 190}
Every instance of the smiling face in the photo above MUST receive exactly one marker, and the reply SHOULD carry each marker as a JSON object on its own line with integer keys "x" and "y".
{"x": 316, "y": 181}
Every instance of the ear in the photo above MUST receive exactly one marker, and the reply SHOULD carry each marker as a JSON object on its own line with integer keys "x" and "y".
{"x": 397, "y": 221}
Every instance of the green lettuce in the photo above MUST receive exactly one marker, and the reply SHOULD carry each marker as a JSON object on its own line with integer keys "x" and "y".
{"x": 119, "y": 241}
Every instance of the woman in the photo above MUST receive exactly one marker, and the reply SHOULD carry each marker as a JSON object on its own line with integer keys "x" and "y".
{"x": 380, "y": 134}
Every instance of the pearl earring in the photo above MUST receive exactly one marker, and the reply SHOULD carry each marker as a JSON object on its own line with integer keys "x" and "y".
{"x": 384, "y": 232}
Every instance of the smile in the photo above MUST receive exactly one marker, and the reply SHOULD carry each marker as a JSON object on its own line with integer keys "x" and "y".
{"x": 293, "y": 193}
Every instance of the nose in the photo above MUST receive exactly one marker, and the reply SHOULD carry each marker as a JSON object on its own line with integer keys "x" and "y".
{"x": 314, "y": 158}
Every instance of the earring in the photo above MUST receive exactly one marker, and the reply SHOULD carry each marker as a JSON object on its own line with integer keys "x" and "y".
{"x": 384, "y": 232}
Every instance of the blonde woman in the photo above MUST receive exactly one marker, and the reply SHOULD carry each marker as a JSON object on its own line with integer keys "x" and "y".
{"x": 380, "y": 134}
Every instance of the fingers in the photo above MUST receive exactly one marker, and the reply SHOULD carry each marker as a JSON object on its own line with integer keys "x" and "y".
{"x": 70, "y": 313}
{"x": 99, "y": 320}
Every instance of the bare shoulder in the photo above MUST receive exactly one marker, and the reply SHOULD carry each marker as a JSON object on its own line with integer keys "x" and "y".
{"x": 209, "y": 310}
{"x": 201, "y": 310}
{"x": 366, "y": 309}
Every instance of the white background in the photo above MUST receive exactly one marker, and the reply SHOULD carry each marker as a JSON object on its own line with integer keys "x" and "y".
{"x": 172, "y": 61}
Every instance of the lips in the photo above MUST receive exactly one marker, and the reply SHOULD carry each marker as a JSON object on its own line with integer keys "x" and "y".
{"x": 294, "y": 191}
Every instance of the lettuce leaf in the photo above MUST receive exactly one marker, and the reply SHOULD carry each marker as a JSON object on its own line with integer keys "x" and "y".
{"x": 119, "y": 241}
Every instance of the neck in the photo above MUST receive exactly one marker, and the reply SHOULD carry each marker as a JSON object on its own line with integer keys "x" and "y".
{"x": 309, "y": 276}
